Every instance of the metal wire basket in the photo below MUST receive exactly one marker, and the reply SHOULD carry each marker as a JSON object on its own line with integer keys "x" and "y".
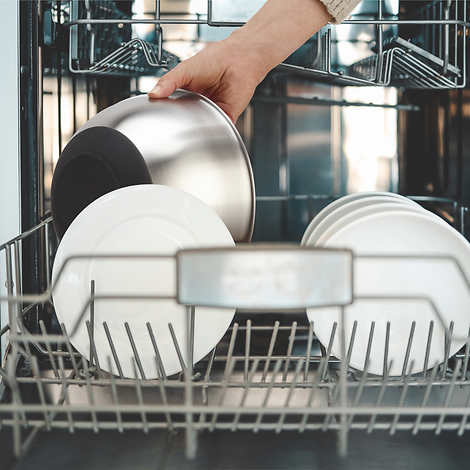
{"x": 434, "y": 56}
{"x": 268, "y": 373}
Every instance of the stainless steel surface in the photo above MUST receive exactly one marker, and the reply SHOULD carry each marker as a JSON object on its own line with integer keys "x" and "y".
{"x": 190, "y": 144}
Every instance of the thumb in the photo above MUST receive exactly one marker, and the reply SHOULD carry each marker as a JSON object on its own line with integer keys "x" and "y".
{"x": 167, "y": 84}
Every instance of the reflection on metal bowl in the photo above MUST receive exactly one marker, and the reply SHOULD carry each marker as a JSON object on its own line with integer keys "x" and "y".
{"x": 186, "y": 142}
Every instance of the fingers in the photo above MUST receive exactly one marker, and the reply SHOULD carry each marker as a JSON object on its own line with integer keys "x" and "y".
{"x": 167, "y": 84}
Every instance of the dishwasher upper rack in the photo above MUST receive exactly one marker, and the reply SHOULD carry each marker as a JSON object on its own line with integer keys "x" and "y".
{"x": 406, "y": 64}
{"x": 287, "y": 385}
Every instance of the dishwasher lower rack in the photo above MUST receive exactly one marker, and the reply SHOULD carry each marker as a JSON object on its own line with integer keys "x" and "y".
{"x": 269, "y": 373}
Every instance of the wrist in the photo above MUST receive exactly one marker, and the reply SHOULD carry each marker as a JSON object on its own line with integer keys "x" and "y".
{"x": 250, "y": 53}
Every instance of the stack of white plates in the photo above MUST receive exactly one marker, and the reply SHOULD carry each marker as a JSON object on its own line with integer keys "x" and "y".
{"x": 148, "y": 220}
{"x": 410, "y": 283}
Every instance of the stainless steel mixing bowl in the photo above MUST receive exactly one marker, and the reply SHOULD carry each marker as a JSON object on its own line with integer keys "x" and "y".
{"x": 186, "y": 142}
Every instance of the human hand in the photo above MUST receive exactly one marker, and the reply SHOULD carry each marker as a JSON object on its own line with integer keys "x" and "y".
{"x": 223, "y": 71}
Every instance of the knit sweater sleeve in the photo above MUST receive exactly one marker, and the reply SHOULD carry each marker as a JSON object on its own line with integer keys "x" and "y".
{"x": 340, "y": 9}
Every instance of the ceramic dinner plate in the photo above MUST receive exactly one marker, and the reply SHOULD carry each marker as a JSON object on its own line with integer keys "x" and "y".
{"x": 347, "y": 211}
{"x": 138, "y": 220}
{"x": 338, "y": 203}
{"x": 400, "y": 290}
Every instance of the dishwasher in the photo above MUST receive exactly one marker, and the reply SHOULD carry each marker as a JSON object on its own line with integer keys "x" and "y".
{"x": 378, "y": 103}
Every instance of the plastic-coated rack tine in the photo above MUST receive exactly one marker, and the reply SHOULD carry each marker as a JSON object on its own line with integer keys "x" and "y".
{"x": 289, "y": 350}
{"x": 113, "y": 349}
{"x": 270, "y": 350}
{"x": 403, "y": 395}
{"x": 140, "y": 399}
{"x": 158, "y": 358}
{"x": 292, "y": 386}
{"x": 267, "y": 395}
{"x": 369, "y": 345}
{"x": 386, "y": 347}
{"x": 427, "y": 393}
{"x": 206, "y": 380}
{"x": 91, "y": 325}
{"x": 115, "y": 396}
{"x": 246, "y": 389}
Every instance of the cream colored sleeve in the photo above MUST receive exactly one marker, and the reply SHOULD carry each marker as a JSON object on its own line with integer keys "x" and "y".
{"x": 340, "y": 9}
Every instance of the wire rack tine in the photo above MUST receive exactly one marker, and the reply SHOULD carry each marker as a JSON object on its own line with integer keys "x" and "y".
{"x": 93, "y": 354}
{"x": 408, "y": 348}
{"x": 380, "y": 397}
{"x": 163, "y": 395}
{"x": 49, "y": 350}
{"x": 359, "y": 391}
{"x": 289, "y": 350}
{"x": 65, "y": 392}
{"x": 231, "y": 346}
{"x": 272, "y": 342}
{"x": 386, "y": 347}
{"x": 466, "y": 357}
{"x": 464, "y": 419}
{"x": 448, "y": 397}
{"x": 140, "y": 400}
{"x": 158, "y": 358}
{"x": 177, "y": 347}
{"x": 114, "y": 394}
{"x": 259, "y": 417}
{"x": 207, "y": 378}
{"x": 403, "y": 395}
{"x": 40, "y": 387}
{"x": 369, "y": 344}
{"x": 313, "y": 389}
{"x": 90, "y": 394}
{"x": 427, "y": 393}
{"x": 308, "y": 350}
{"x": 448, "y": 341}
{"x": 135, "y": 352}
{"x": 113, "y": 349}
{"x": 224, "y": 386}
{"x": 428, "y": 348}
{"x": 247, "y": 348}
{"x": 328, "y": 350}
{"x": 68, "y": 345}
{"x": 246, "y": 389}
{"x": 292, "y": 387}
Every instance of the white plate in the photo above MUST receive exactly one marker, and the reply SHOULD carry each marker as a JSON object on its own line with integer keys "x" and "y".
{"x": 361, "y": 212}
{"x": 409, "y": 281}
{"x": 344, "y": 200}
{"x": 145, "y": 219}
{"x": 345, "y": 210}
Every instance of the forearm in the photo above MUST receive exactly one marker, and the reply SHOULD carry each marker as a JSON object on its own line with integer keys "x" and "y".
{"x": 278, "y": 29}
